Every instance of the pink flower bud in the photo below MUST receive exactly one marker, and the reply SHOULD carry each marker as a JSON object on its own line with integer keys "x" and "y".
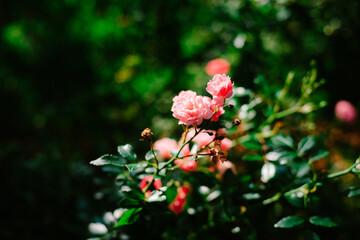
{"x": 191, "y": 109}
{"x": 217, "y": 66}
{"x": 345, "y": 111}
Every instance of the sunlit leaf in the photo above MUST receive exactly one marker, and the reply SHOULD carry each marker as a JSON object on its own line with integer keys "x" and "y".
{"x": 133, "y": 166}
{"x": 150, "y": 155}
{"x": 109, "y": 159}
{"x": 251, "y": 196}
{"x": 289, "y": 222}
{"x": 283, "y": 141}
{"x": 127, "y": 152}
{"x": 305, "y": 145}
{"x": 268, "y": 171}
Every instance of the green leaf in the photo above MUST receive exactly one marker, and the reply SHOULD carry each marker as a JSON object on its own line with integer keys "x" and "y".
{"x": 353, "y": 192}
{"x": 322, "y": 221}
{"x": 127, "y": 152}
{"x": 252, "y": 145}
{"x": 251, "y": 196}
{"x": 171, "y": 193}
{"x": 253, "y": 157}
{"x": 109, "y": 159}
{"x": 296, "y": 199}
{"x": 283, "y": 141}
{"x": 150, "y": 155}
{"x": 289, "y": 222}
{"x": 319, "y": 155}
{"x": 305, "y": 145}
{"x": 134, "y": 166}
{"x": 287, "y": 157}
{"x": 268, "y": 171}
{"x": 129, "y": 217}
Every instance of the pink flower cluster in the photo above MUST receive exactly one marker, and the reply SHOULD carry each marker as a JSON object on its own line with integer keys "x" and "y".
{"x": 177, "y": 206}
{"x": 192, "y": 109}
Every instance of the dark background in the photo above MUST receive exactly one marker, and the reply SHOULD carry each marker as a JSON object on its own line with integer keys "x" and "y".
{"x": 79, "y": 78}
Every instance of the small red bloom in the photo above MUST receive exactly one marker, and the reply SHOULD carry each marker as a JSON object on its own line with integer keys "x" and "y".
{"x": 217, "y": 66}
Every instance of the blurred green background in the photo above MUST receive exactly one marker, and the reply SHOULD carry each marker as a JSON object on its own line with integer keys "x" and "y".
{"x": 79, "y": 77}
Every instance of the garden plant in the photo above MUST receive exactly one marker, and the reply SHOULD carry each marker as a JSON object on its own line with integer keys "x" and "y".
{"x": 247, "y": 164}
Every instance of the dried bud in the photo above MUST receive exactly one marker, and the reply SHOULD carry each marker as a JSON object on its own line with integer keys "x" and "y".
{"x": 231, "y": 106}
{"x": 237, "y": 122}
{"x": 146, "y": 135}
{"x": 221, "y": 133}
{"x": 218, "y": 153}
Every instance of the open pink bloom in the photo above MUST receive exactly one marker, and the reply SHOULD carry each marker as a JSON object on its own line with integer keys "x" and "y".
{"x": 145, "y": 181}
{"x": 203, "y": 138}
{"x": 222, "y": 167}
{"x": 220, "y": 87}
{"x": 187, "y": 166}
{"x": 177, "y": 206}
{"x": 191, "y": 109}
{"x": 165, "y": 146}
{"x": 217, "y": 66}
{"x": 226, "y": 144}
{"x": 345, "y": 111}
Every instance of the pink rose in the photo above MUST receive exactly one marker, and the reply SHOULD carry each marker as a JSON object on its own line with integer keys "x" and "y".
{"x": 220, "y": 87}
{"x": 345, "y": 111}
{"x": 165, "y": 146}
{"x": 217, "y": 66}
{"x": 203, "y": 138}
{"x": 226, "y": 144}
{"x": 187, "y": 166}
{"x": 191, "y": 109}
{"x": 177, "y": 206}
{"x": 224, "y": 166}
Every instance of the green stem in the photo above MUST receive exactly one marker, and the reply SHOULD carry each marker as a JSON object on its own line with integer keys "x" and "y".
{"x": 343, "y": 172}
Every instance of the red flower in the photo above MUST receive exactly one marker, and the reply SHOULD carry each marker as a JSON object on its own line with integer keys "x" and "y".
{"x": 177, "y": 206}
{"x": 217, "y": 66}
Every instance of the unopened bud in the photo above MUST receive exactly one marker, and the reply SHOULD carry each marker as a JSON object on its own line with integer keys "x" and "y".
{"x": 237, "y": 122}
{"x": 146, "y": 135}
